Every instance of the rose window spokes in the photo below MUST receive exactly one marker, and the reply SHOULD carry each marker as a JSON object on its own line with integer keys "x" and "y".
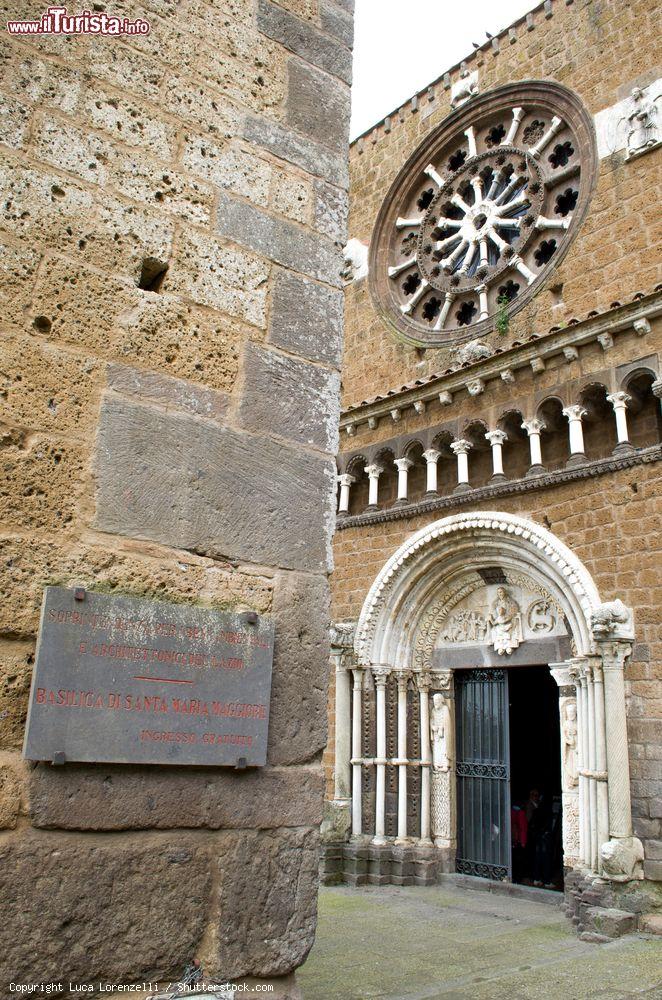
{"x": 491, "y": 210}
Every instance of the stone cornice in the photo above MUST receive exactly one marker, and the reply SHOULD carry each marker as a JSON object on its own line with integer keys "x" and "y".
{"x": 599, "y": 467}
{"x": 523, "y": 355}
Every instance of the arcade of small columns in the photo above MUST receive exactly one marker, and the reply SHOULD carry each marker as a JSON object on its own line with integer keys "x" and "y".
{"x": 574, "y": 414}
{"x": 595, "y": 792}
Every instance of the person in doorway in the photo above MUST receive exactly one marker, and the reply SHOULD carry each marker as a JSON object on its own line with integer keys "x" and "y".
{"x": 540, "y": 838}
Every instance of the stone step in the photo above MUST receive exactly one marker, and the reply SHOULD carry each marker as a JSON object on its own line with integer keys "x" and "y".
{"x": 608, "y": 921}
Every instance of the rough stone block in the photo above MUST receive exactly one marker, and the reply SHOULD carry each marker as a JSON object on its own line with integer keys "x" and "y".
{"x": 176, "y": 393}
{"x": 653, "y": 870}
{"x": 119, "y": 797}
{"x": 651, "y": 923}
{"x": 286, "y": 144}
{"x": 292, "y": 196}
{"x": 655, "y": 808}
{"x": 129, "y": 120}
{"x": 16, "y": 659}
{"x": 223, "y": 277}
{"x": 331, "y": 211}
{"x": 166, "y": 189}
{"x": 93, "y": 904}
{"x": 267, "y": 898}
{"x": 654, "y": 850}
{"x": 278, "y": 240}
{"x": 291, "y": 398}
{"x": 306, "y": 319}
{"x": 611, "y": 922}
{"x": 210, "y": 489}
{"x": 317, "y": 105}
{"x": 298, "y": 720}
{"x": 81, "y": 153}
{"x": 233, "y": 169}
{"x": 337, "y": 23}
{"x": 123, "y": 67}
{"x": 304, "y": 40}
{"x": 18, "y": 270}
{"x": 15, "y": 118}
{"x": 10, "y": 796}
{"x": 196, "y": 103}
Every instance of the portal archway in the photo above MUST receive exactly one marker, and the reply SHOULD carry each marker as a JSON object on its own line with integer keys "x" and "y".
{"x": 487, "y": 590}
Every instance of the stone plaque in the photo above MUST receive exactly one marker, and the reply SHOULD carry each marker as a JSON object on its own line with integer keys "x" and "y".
{"x": 125, "y": 680}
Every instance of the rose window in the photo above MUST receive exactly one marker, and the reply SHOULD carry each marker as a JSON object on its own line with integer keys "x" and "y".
{"x": 482, "y": 212}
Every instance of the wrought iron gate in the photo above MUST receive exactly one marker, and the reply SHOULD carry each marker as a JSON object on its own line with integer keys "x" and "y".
{"x": 483, "y": 774}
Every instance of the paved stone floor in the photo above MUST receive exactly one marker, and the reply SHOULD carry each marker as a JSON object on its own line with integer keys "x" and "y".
{"x": 448, "y": 942}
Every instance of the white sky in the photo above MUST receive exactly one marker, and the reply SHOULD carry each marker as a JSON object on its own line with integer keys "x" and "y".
{"x": 400, "y": 46}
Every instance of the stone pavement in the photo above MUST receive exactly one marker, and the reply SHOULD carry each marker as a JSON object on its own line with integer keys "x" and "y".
{"x": 449, "y": 942}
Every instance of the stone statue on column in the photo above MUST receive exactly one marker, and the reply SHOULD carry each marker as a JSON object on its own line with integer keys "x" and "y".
{"x": 570, "y": 734}
{"x": 440, "y": 732}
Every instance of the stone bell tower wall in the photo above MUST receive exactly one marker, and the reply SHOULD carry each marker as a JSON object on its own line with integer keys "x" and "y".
{"x": 173, "y": 208}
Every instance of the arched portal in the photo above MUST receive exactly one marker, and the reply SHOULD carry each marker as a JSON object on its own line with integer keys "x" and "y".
{"x": 483, "y": 591}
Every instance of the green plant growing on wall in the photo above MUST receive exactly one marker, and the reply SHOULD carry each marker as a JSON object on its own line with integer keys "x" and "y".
{"x": 502, "y": 319}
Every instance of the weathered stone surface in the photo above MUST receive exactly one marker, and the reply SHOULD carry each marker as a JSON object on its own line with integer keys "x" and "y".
{"x": 306, "y": 319}
{"x": 292, "y": 196}
{"x": 611, "y": 922}
{"x": 298, "y": 724}
{"x": 291, "y": 398}
{"x": 10, "y": 793}
{"x": 210, "y": 489}
{"x": 27, "y": 565}
{"x": 15, "y": 118}
{"x": 651, "y": 923}
{"x": 114, "y": 797}
{"x": 317, "y": 105}
{"x": 109, "y": 910}
{"x": 331, "y": 211}
{"x": 277, "y": 239}
{"x": 29, "y": 463}
{"x": 304, "y": 40}
{"x": 175, "y": 393}
{"x": 337, "y": 22}
{"x": 234, "y": 169}
{"x": 283, "y": 142}
{"x": 18, "y": 268}
{"x": 269, "y": 884}
{"x": 195, "y": 103}
{"x": 16, "y": 660}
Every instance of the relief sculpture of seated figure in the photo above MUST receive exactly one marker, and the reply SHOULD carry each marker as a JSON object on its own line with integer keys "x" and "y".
{"x": 506, "y": 622}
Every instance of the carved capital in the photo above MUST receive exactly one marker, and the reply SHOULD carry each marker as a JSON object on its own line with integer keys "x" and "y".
{"x": 423, "y": 682}
{"x": 431, "y": 456}
{"x": 534, "y": 426}
{"x": 496, "y": 437}
{"x": 380, "y": 673}
{"x": 614, "y": 653}
{"x": 345, "y": 479}
{"x": 460, "y": 447}
{"x": 373, "y": 471}
{"x": 575, "y": 412}
{"x": 441, "y": 679}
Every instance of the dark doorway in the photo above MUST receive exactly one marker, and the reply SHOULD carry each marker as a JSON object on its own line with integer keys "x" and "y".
{"x": 535, "y": 777}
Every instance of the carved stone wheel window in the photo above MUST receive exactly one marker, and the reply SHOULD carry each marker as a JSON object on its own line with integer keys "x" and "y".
{"x": 482, "y": 212}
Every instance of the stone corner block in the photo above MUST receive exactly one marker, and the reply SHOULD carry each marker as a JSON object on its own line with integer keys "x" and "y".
{"x": 307, "y": 319}
{"x": 317, "y": 160}
{"x": 299, "y": 689}
{"x": 317, "y": 105}
{"x": 278, "y": 240}
{"x": 288, "y": 397}
{"x": 197, "y": 485}
{"x": 167, "y": 391}
{"x": 304, "y": 40}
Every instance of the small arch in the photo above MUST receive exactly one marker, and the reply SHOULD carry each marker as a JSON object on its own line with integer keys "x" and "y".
{"x": 599, "y": 422}
{"x": 417, "y": 474}
{"x": 554, "y": 439}
{"x": 516, "y": 453}
{"x": 643, "y": 412}
{"x": 446, "y": 464}
{"x": 388, "y": 479}
{"x": 358, "y": 493}
{"x": 480, "y": 456}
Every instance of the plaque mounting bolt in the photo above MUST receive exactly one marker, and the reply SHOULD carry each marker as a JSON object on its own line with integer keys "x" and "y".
{"x": 241, "y": 764}
{"x": 250, "y": 617}
{"x": 59, "y": 758}
{"x": 79, "y": 594}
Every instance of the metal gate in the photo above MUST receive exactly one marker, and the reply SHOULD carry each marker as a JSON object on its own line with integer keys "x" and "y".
{"x": 483, "y": 774}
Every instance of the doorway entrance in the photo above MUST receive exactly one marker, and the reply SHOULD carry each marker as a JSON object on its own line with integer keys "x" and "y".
{"x": 508, "y": 771}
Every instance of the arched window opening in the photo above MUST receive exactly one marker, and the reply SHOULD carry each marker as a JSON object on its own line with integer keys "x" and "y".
{"x": 598, "y": 423}
{"x": 643, "y": 411}
{"x": 516, "y": 457}
{"x": 480, "y": 455}
{"x": 358, "y": 493}
{"x": 417, "y": 473}
{"x": 388, "y": 479}
{"x": 554, "y": 437}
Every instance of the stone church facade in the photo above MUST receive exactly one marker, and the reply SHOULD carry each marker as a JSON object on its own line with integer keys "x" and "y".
{"x": 499, "y": 470}
{"x": 172, "y": 219}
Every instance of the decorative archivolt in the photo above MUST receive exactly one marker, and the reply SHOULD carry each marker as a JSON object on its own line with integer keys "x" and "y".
{"x": 458, "y": 545}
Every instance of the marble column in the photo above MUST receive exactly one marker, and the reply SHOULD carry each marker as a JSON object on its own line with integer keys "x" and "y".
{"x": 461, "y": 449}
{"x": 496, "y": 439}
{"x": 619, "y": 401}
{"x": 602, "y": 817}
{"x": 357, "y": 790}
{"x": 423, "y": 685}
{"x": 380, "y": 675}
{"x": 345, "y": 481}
{"x": 403, "y": 466}
{"x": 593, "y": 792}
{"x": 343, "y": 752}
{"x": 614, "y": 653}
{"x": 432, "y": 457}
{"x": 402, "y": 760}
{"x": 533, "y": 428}
{"x": 373, "y": 473}
{"x": 576, "y": 433}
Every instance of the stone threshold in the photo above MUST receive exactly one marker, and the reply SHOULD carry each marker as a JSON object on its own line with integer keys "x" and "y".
{"x": 531, "y": 892}
{"x": 588, "y": 470}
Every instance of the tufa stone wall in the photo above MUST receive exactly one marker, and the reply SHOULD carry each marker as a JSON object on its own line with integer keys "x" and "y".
{"x": 172, "y": 212}
{"x": 599, "y": 50}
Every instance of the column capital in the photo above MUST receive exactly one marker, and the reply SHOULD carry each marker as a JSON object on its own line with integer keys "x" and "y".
{"x": 380, "y": 673}
{"x": 345, "y": 479}
{"x": 614, "y": 653}
{"x": 657, "y": 388}
{"x": 534, "y": 426}
{"x": 402, "y": 464}
{"x": 441, "y": 679}
{"x": 423, "y": 681}
{"x": 574, "y": 412}
{"x": 496, "y": 437}
{"x": 431, "y": 455}
{"x": 403, "y": 677}
{"x": 619, "y": 400}
{"x": 374, "y": 471}
{"x": 461, "y": 447}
